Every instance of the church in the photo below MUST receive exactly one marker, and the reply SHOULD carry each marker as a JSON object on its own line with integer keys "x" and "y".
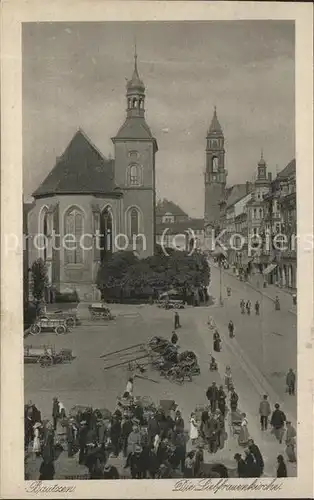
{"x": 91, "y": 205}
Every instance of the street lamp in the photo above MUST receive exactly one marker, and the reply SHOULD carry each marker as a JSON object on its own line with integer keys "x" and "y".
{"x": 219, "y": 254}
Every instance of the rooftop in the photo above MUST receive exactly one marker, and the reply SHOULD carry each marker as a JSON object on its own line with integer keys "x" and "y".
{"x": 81, "y": 169}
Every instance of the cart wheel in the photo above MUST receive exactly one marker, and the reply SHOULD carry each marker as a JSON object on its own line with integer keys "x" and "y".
{"x": 45, "y": 361}
{"x": 35, "y": 329}
{"x": 70, "y": 322}
{"x": 60, "y": 330}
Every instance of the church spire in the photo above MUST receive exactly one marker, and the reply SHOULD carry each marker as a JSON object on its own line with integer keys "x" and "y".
{"x": 135, "y": 92}
{"x": 215, "y": 127}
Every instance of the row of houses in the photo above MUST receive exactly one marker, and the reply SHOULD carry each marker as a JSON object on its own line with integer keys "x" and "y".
{"x": 258, "y": 225}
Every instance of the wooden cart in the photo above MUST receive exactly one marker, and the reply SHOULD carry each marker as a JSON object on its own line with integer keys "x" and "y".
{"x": 47, "y": 355}
{"x": 100, "y": 311}
{"x": 58, "y": 325}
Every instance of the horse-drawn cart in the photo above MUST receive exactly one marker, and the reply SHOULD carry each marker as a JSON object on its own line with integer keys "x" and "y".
{"x": 58, "y": 325}
{"x": 47, "y": 355}
{"x": 100, "y": 311}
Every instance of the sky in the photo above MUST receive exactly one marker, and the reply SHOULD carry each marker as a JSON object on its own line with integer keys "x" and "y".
{"x": 74, "y": 76}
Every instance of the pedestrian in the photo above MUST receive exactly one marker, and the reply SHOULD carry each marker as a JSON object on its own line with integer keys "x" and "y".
{"x": 234, "y": 398}
{"x": 176, "y": 320}
{"x": 212, "y": 396}
{"x": 71, "y": 434}
{"x": 257, "y": 308}
{"x": 281, "y": 467}
{"x": 134, "y": 439}
{"x": 228, "y": 378}
{"x": 136, "y": 463}
{"x": 254, "y": 449}
{"x": 277, "y": 422}
{"x": 231, "y": 329}
{"x": 242, "y": 306}
{"x": 83, "y": 442}
{"x": 251, "y": 468}
{"x": 241, "y": 465}
{"x": 110, "y": 472}
{"x": 248, "y": 307}
{"x": 129, "y": 386}
{"x": 213, "y": 367}
{"x": 48, "y": 448}
{"x": 189, "y": 465}
{"x": 36, "y": 442}
{"x": 264, "y": 412}
{"x": 198, "y": 461}
{"x": 222, "y": 400}
{"x": 126, "y": 430}
{"x": 216, "y": 341}
{"x": 46, "y": 471}
{"x": 290, "y": 382}
{"x": 243, "y": 438}
{"x": 178, "y": 423}
{"x": 55, "y": 412}
{"x": 194, "y": 432}
{"x": 277, "y": 303}
{"x": 174, "y": 338}
{"x": 290, "y": 442}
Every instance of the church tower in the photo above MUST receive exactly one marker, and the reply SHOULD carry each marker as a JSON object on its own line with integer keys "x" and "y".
{"x": 135, "y": 150}
{"x": 215, "y": 173}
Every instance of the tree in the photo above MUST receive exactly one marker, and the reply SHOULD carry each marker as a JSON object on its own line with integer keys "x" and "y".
{"x": 39, "y": 279}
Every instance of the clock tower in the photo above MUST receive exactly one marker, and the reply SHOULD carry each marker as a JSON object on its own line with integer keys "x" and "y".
{"x": 215, "y": 173}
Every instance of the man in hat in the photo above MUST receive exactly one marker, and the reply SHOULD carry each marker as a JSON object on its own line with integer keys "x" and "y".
{"x": 71, "y": 436}
{"x": 290, "y": 381}
{"x": 110, "y": 471}
{"x": 254, "y": 449}
{"x": 83, "y": 430}
{"x": 136, "y": 463}
{"x": 176, "y": 320}
{"x": 178, "y": 423}
{"x": 126, "y": 430}
{"x": 212, "y": 396}
{"x": 115, "y": 434}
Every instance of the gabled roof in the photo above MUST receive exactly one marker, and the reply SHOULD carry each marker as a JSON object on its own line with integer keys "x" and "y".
{"x": 288, "y": 171}
{"x": 165, "y": 206}
{"x": 82, "y": 169}
{"x": 236, "y": 192}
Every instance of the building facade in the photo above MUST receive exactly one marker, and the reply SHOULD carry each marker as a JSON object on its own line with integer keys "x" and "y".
{"x": 90, "y": 206}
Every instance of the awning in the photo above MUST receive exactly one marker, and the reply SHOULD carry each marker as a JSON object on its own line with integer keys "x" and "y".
{"x": 269, "y": 268}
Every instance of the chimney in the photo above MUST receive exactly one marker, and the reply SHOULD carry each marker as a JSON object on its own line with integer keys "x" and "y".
{"x": 269, "y": 176}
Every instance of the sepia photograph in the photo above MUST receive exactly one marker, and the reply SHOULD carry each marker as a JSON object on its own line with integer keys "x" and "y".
{"x": 159, "y": 274}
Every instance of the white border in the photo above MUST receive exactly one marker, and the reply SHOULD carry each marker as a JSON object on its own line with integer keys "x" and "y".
{"x": 12, "y": 14}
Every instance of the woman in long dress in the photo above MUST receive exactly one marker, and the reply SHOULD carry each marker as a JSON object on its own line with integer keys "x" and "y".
{"x": 244, "y": 432}
{"x": 36, "y": 442}
{"x": 193, "y": 429}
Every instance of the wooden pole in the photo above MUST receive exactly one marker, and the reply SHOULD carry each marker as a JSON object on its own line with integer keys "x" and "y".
{"x": 126, "y": 362}
{"x": 120, "y": 350}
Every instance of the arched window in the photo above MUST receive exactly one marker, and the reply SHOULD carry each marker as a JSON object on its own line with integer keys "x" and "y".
{"x": 106, "y": 229}
{"x": 215, "y": 164}
{"x": 135, "y": 174}
{"x": 254, "y": 213}
{"x": 134, "y": 103}
{"x": 74, "y": 227}
{"x": 45, "y": 233}
{"x": 261, "y": 213}
{"x": 134, "y": 222}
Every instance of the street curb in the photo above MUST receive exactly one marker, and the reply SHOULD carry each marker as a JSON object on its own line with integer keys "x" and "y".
{"x": 258, "y": 380}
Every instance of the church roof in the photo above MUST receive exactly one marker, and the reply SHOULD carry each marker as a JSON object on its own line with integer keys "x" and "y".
{"x": 134, "y": 127}
{"x": 165, "y": 206}
{"x": 237, "y": 192}
{"x": 82, "y": 169}
{"x": 288, "y": 171}
{"x": 215, "y": 127}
